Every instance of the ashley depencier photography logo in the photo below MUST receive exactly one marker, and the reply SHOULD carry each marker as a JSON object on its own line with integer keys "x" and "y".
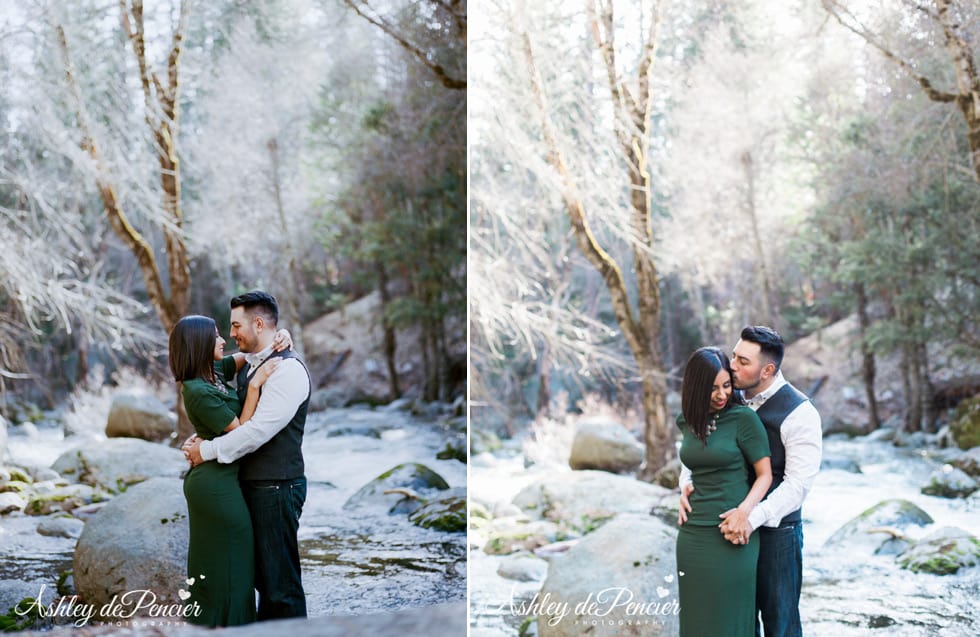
{"x": 126, "y": 606}
{"x": 615, "y": 605}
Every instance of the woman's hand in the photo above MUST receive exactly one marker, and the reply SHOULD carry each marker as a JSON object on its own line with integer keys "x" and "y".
{"x": 263, "y": 372}
{"x": 282, "y": 341}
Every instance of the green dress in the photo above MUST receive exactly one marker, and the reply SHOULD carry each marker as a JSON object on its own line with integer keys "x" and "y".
{"x": 716, "y": 579}
{"x": 220, "y": 558}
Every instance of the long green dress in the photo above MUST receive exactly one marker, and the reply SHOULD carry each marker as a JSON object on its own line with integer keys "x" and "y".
{"x": 220, "y": 558}
{"x": 716, "y": 579}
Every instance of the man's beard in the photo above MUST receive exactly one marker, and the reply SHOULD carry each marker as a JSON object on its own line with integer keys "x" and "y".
{"x": 758, "y": 381}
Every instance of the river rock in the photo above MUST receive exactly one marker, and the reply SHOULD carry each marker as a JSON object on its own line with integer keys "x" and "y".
{"x": 630, "y": 558}
{"x": 669, "y": 475}
{"x": 523, "y": 567}
{"x": 873, "y": 530}
{"x": 61, "y": 527}
{"x": 965, "y": 425}
{"x": 115, "y": 463}
{"x": 412, "y": 476}
{"x": 483, "y": 441}
{"x": 512, "y": 535}
{"x": 10, "y": 502}
{"x": 968, "y": 462}
{"x": 942, "y": 552}
{"x": 606, "y": 446}
{"x": 444, "y": 513}
{"x": 137, "y": 542}
{"x": 949, "y": 482}
{"x": 580, "y": 497}
{"x": 134, "y": 415}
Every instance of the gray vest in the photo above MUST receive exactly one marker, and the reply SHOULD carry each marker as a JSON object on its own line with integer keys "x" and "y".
{"x": 281, "y": 458}
{"x": 772, "y": 414}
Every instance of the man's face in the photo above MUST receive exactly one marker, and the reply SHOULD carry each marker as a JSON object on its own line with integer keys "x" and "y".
{"x": 243, "y": 330}
{"x": 749, "y": 368}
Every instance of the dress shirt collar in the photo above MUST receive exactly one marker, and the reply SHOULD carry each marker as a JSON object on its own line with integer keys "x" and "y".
{"x": 759, "y": 399}
{"x": 257, "y": 358}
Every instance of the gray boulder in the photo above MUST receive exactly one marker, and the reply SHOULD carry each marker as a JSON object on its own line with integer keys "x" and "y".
{"x": 942, "y": 552}
{"x": 413, "y": 477}
{"x": 969, "y": 462}
{"x": 61, "y": 527}
{"x": 137, "y": 542}
{"x": 949, "y": 482}
{"x": 523, "y": 567}
{"x": 877, "y": 529}
{"x": 446, "y": 512}
{"x": 135, "y": 415}
{"x": 606, "y": 446}
{"x": 579, "y": 498}
{"x": 630, "y": 558}
{"x": 10, "y": 502}
{"x": 669, "y": 475}
{"x": 115, "y": 463}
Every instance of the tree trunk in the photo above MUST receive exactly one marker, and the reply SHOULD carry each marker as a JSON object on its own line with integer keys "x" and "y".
{"x": 867, "y": 357}
{"x": 295, "y": 281}
{"x": 760, "y": 255}
{"x": 390, "y": 344}
{"x": 927, "y": 390}
{"x": 543, "y": 408}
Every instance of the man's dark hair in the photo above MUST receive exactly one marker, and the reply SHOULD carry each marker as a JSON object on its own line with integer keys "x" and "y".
{"x": 258, "y": 302}
{"x": 192, "y": 348}
{"x": 769, "y": 341}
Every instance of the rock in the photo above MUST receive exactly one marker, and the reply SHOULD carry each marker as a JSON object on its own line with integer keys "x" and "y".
{"x": 969, "y": 462}
{"x": 455, "y": 450}
{"x": 417, "y": 477}
{"x": 53, "y": 503}
{"x": 965, "y": 425}
{"x": 115, "y": 463}
{"x": 10, "y": 502}
{"x": 137, "y": 542}
{"x": 142, "y": 416}
{"x": 483, "y": 441}
{"x": 581, "y": 497}
{"x": 942, "y": 552}
{"x": 669, "y": 475}
{"x": 629, "y": 559}
{"x": 839, "y": 463}
{"x": 944, "y": 438}
{"x": 87, "y": 511}
{"x": 915, "y": 440}
{"x": 886, "y": 434}
{"x": 3, "y": 439}
{"x": 43, "y": 473}
{"x": 61, "y": 527}
{"x": 511, "y": 535}
{"x": 949, "y": 482}
{"x": 606, "y": 446}
{"x": 523, "y": 567}
{"x": 445, "y": 513}
{"x": 479, "y": 512}
{"x": 862, "y": 532}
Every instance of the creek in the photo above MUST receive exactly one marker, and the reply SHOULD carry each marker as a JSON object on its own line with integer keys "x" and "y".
{"x": 845, "y": 593}
{"x": 354, "y": 562}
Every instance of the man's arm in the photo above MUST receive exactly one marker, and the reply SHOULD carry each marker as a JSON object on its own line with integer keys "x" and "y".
{"x": 802, "y": 436}
{"x": 282, "y": 394}
{"x": 687, "y": 487}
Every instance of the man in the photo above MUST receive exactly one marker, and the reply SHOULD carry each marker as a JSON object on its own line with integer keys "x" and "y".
{"x": 271, "y": 471}
{"x": 795, "y": 440}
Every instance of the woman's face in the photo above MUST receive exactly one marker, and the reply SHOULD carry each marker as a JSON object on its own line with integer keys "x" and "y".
{"x": 219, "y": 346}
{"x": 721, "y": 390}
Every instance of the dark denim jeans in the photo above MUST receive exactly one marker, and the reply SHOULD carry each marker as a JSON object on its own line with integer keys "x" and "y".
{"x": 275, "y": 507}
{"x": 780, "y": 580}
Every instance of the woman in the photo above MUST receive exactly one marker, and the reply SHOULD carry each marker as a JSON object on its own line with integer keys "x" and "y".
{"x": 716, "y": 578}
{"x": 220, "y": 559}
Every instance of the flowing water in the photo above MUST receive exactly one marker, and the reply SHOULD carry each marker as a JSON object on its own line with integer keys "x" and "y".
{"x": 845, "y": 593}
{"x": 353, "y": 562}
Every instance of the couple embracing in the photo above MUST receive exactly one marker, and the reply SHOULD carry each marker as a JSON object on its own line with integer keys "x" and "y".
{"x": 246, "y": 487}
{"x": 751, "y": 449}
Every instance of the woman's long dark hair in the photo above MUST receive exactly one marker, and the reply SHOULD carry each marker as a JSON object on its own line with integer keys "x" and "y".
{"x": 699, "y": 376}
{"x": 192, "y": 348}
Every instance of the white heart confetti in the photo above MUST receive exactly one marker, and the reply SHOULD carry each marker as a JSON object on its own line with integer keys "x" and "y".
{"x": 681, "y": 573}
{"x": 202, "y": 577}
{"x": 669, "y": 578}
{"x": 182, "y": 594}
{"x": 190, "y": 581}
{"x": 662, "y": 592}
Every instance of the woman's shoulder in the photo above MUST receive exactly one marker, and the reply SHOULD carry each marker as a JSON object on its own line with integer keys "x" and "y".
{"x": 196, "y": 388}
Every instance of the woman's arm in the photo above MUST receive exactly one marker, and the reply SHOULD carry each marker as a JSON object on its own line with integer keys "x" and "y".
{"x": 254, "y": 391}
{"x": 763, "y": 478}
{"x": 283, "y": 341}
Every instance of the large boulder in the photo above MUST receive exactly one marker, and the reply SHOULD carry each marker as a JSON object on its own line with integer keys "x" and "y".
{"x": 942, "y": 552}
{"x": 606, "y": 446}
{"x": 878, "y": 528}
{"x": 965, "y": 426}
{"x": 137, "y": 542}
{"x": 445, "y": 512}
{"x": 135, "y": 415}
{"x": 409, "y": 478}
{"x": 579, "y": 498}
{"x": 118, "y": 462}
{"x": 949, "y": 482}
{"x": 969, "y": 462}
{"x": 630, "y": 559}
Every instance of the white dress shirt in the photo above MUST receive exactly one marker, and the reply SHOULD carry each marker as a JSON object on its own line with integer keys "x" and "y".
{"x": 802, "y": 437}
{"x": 282, "y": 394}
